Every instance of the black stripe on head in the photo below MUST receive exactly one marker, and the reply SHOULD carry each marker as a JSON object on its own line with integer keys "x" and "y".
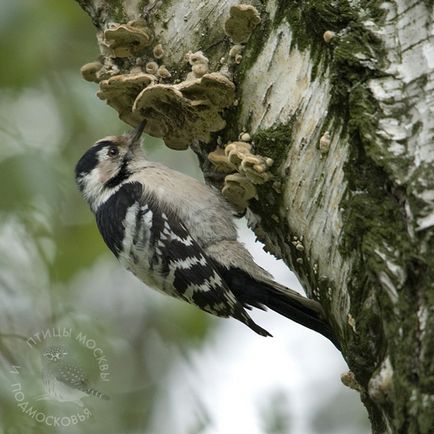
{"x": 89, "y": 160}
{"x": 121, "y": 176}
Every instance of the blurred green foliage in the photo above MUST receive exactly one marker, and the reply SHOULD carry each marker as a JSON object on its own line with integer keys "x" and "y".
{"x": 48, "y": 117}
{"x": 40, "y": 38}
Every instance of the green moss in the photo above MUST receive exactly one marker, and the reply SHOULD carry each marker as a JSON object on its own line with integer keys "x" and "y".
{"x": 375, "y": 222}
{"x": 367, "y": 208}
{"x": 309, "y": 20}
{"x": 274, "y": 142}
{"x": 254, "y": 47}
{"x": 116, "y": 10}
{"x": 373, "y": 215}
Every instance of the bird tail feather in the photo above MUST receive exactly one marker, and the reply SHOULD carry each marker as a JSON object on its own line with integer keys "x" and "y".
{"x": 262, "y": 291}
{"x": 294, "y": 306}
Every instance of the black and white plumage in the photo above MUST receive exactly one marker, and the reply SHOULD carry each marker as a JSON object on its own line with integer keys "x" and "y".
{"x": 177, "y": 235}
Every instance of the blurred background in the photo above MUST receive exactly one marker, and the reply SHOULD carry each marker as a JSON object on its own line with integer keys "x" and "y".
{"x": 167, "y": 367}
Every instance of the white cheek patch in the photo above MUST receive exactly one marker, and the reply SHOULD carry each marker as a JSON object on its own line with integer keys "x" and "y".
{"x": 107, "y": 170}
{"x": 94, "y": 191}
{"x": 92, "y": 184}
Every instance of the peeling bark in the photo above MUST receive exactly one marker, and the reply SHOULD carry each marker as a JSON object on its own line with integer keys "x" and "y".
{"x": 354, "y": 217}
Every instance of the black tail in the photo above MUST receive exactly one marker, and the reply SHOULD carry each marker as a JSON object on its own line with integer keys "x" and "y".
{"x": 290, "y": 304}
{"x": 304, "y": 314}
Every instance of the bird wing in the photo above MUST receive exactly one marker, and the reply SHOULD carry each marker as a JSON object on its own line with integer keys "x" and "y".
{"x": 185, "y": 266}
{"x": 193, "y": 274}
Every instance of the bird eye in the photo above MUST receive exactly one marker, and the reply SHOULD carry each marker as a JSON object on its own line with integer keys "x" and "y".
{"x": 113, "y": 151}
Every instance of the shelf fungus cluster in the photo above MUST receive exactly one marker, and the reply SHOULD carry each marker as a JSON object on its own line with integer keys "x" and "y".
{"x": 187, "y": 111}
{"x": 244, "y": 171}
{"x": 199, "y": 64}
{"x": 239, "y": 26}
{"x": 241, "y": 22}
{"x": 133, "y": 80}
{"x": 127, "y": 40}
{"x": 120, "y": 92}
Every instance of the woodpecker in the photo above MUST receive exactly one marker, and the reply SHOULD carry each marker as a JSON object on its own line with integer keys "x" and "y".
{"x": 64, "y": 380}
{"x": 177, "y": 235}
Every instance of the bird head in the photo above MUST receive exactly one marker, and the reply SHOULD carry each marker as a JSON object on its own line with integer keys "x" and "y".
{"x": 108, "y": 164}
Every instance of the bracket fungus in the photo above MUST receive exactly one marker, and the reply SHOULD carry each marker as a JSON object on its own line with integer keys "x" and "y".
{"x": 243, "y": 19}
{"x": 235, "y": 51}
{"x": 120, "y": 92}
{"x": 328, "y": 36}
{"x": 163, "y": 72}
{"x": 158, "y": 51}
{"x": 246, "y": 170}
{"x": 237, "y": 151}
{"x": 245, "y": 137}
{"x": 238, "y": 190}
{"x": 127, "y": 40}
{"x": 324, "y": 143}
{"x": 196, "y": 58}
{"x": 89, "y": 71}
{"x": 254, "y": 167}
{"x": 220, "y": 161}
{"x": 235, "y": 54}
{"x": 186, "y": 111}
{"x": 199, "y": 70}
{"x": 215, "y": 88}
{"x": 179, "y": 113}
{"x": 199, "y": 64}
{"x": 151, "y": 68}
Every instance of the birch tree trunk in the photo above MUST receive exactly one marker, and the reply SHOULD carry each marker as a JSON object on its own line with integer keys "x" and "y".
{"x": 340, "y": 96}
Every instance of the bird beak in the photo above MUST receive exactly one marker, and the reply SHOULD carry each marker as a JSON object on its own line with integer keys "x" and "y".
{"x": 134, "y": 136}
